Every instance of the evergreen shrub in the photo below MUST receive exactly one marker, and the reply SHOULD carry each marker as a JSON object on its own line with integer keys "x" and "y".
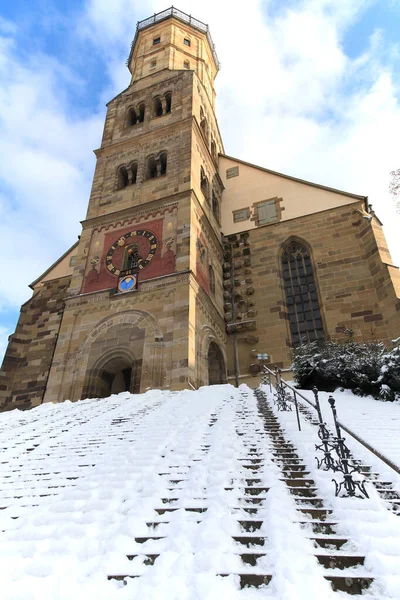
{"x": 364, "y": 367}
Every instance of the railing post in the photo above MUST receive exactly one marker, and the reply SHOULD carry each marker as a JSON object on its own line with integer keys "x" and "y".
{"x": 297, "y": 409}
{"x": 343, "y": 464}
{"x": 326, "y": 446}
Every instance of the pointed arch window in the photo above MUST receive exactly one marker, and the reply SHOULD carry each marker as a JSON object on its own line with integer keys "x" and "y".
{"x": 301, "y": 294}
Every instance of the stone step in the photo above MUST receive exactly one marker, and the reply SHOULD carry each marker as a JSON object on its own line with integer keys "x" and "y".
{"x": 381, "y": 484}
{"x": 249, "y": 511}
{"x": 143, "y": 539}
{"x": 250, "y": 579}
{"x": 250, "y": 526}
{"x": 162, "y": 511}
{"x": 309, "y": 502}
{"x": 256, "y": 491}
{"x": 388, "y": 494}
{"x": 304, "y": 492}
{"x": 295, "y": 467}
{"x": 352, "y": 584}
{"x": 326, "y": 542}
{"x": 297, "y": 482}
{"x": 250, "y": 540}
{"x": 295, "y": 474}
{"x": 316, "y": 513}
{"x": 319, "y": 527}
{"x": 252, "y": 500}
{"x": 339, "y": 561}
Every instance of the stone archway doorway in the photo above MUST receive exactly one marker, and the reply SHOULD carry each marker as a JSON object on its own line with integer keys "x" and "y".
{"x": 216, "y": 365}
{"x": 120, "y": 373}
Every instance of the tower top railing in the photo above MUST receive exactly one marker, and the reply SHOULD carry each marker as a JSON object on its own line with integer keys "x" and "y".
{"x": 177, "y": 14}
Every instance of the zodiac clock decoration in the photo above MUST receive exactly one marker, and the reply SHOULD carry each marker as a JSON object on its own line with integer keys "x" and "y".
{"x": 133, "y": 244}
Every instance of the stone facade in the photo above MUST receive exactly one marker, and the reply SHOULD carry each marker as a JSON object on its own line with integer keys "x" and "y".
{"x": 210, "y": 232}
{"x": 30, "y": 351}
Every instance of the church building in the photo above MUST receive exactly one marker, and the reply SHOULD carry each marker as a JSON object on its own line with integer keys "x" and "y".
{"x": 190, "y": 261}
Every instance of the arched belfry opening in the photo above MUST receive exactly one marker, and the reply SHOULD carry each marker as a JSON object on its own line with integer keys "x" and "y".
{"x": 216, "y": 365}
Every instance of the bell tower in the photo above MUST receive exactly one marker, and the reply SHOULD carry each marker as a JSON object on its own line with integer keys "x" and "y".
{"x": 150, "y": 321}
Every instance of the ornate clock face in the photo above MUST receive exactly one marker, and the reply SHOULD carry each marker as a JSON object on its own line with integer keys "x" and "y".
{"x": 146, "y": 242}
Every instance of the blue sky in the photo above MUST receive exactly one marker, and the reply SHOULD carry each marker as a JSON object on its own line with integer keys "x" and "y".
{"x": 309, "y": 88}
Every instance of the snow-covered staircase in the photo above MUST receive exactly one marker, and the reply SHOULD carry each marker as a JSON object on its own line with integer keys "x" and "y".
{"x": 342, "y": 567}
{"x": 384, "y": 488}
{"x": 170, "y": 496}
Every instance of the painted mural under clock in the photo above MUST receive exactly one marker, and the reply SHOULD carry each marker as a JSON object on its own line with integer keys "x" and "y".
{"x": 185, "y": 249}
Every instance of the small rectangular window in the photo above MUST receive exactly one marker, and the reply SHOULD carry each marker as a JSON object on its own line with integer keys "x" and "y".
{"x": 156, "y": 41}
{"x": 266, "y": 212}
{"x": 186, "y": 42}
{"x": 232, "y": 172}
{"x": 240, "y": 215}
{"x": 186, "y": 64}
{"x": 72, "y": 261}
{"x": 153, "y": 64}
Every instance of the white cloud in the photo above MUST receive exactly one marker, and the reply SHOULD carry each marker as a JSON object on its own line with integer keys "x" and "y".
{"x": 45, "y": 169}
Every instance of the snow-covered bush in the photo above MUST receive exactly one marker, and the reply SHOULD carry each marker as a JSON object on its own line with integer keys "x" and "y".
{"x": 364, "y": 367}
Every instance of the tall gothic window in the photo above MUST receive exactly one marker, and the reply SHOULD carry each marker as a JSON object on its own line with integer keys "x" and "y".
{"x": 301, "y": 294}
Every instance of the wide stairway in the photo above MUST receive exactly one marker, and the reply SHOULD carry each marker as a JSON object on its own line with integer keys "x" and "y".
{"x": 198, "y": 488}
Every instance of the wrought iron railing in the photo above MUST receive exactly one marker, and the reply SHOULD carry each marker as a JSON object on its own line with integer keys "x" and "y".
{"x": 336, "y": 455}
{"x": 182, "y": 16}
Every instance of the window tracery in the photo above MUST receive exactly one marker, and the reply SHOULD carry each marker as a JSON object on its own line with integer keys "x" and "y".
{"x": 301, "y": 294}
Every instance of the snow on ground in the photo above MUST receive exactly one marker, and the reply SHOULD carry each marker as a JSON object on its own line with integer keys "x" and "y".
{"x": 367, "y": 521}
{"x": 81, "y": 481}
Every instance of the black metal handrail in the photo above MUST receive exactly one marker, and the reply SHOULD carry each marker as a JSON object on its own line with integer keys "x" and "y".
{"x": 280, "y": 382}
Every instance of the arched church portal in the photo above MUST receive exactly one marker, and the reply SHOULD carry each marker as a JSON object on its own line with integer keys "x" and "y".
{"x": 216, "y": 365}
{"x": 113, "y": 374}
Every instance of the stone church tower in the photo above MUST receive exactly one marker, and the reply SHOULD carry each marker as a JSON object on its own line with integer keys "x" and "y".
{"x": 190, "y": 261}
